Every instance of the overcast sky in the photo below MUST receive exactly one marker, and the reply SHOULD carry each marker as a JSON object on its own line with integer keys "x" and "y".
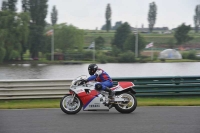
{"x": 89, "y": 14}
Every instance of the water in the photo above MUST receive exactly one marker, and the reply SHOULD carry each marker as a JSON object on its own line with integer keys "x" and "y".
{"x": 44, "y": 71}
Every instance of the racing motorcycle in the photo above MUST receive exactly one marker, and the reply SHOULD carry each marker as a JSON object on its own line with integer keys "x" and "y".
{"x": 83, "y": 95}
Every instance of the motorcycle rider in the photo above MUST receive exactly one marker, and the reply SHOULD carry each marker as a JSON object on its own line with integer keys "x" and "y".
{"x": 103, "y": 79}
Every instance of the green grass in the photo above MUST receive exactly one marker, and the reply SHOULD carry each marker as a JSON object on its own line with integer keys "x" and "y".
{"x": 26, "y": 104}
{"x": 158, "y": 39}
{"x": 142, "y": 101}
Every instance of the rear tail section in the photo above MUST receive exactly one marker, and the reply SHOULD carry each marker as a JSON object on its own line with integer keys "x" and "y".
{"x": 124, "y": 87}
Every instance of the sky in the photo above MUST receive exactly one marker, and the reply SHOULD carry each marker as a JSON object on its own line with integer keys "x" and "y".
{"x": 90, "y": 14}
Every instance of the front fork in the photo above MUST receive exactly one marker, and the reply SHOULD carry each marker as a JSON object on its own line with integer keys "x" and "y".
{"x": 73, "y": 95}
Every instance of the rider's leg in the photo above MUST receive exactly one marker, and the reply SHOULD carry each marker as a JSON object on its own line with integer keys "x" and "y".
{"x": 105, "y": 87}
{"x": 111, "y": 92}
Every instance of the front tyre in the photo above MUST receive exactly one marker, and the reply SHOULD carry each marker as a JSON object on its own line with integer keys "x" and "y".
{"x": 127, "y": 107}
{"x": 70, "y": 104}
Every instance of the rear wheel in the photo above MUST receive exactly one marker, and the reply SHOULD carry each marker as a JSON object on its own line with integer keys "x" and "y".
{"x": 128, "y": 106}
{"x": 70, "y": 104}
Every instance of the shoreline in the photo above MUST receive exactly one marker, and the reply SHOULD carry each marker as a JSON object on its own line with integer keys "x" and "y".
{"x": 88, "y": 62}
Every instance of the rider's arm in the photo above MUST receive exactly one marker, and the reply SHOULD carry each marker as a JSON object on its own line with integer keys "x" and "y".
{"x": 93, "y": 77}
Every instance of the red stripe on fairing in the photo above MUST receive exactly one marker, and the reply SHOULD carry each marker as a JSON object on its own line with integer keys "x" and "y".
{"x": 124, "y": 85}
{"x": 113, "y": 88}
{"x": 86, "y": 98}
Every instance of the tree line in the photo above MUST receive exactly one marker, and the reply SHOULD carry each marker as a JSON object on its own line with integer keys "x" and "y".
{"x": 28, "y": 30}
{"x": 21, "y": 31}
{"x": 152, "y": 14}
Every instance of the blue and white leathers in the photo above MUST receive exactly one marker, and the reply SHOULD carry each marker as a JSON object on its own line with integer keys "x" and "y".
{"x": 103, "y": 78}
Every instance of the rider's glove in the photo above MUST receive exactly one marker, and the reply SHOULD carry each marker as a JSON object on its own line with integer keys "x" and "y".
{"x": 84, "y": 81}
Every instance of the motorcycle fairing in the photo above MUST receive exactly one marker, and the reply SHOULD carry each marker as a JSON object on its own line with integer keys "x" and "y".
{"x": 91, "y": 98}
{"x": 122, "y": 86}
{"x": 91, "y": 101}
{"x": 87, "y": 97}
{"x": 95, "y": 104}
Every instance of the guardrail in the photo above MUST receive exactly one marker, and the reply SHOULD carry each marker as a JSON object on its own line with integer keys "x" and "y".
{"x": 144, "y": 86}
{"x": 32, "y": 89}
{"x": 165, "y": 86}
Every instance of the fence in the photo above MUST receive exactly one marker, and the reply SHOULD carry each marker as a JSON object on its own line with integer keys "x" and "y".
{"x": 144, "y": 86}
{"x": 165, "y": 86}
{"x": 31, "y": 89}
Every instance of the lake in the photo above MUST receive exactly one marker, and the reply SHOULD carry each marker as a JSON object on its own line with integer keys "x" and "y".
{"x": 63, "y": 71}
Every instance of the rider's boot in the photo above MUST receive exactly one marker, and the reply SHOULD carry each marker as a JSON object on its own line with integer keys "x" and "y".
{"x": 111, "y": 92}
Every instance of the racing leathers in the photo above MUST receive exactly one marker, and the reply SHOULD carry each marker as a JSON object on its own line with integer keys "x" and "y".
{"x": 103, "y": 80}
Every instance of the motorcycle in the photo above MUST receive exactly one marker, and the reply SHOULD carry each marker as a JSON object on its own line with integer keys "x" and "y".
{"x": 83, "y": 95}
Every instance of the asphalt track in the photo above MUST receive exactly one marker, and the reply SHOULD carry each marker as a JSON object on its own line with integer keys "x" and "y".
{"x": 142, "y": 120}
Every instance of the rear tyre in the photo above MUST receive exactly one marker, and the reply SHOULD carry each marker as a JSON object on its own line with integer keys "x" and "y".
{"x": 127, "y": 107}
{"x": 70, "y": 104}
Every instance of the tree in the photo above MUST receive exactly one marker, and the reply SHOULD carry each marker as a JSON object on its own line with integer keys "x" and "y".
{"x": 8, "y": 29}
{"x": 117, "y": 25}
{"x": 108, "y": 18}
{"x": 99, "y": 43}
{"x": 4, "y": 6}
{"x": 13, "y": 32}
{"x": 181, "y": 34}
{"x": 12, "y": 5}
{"x": 25, "y": 5}
{"x": 54, "y": 15}
{"x": 67, "y": 37}
{"x": 197, "y": 18}
{"x": 24, "y": 30}
{"x": 3, "y": 34}
{"x": 38, "y": 12}
{"x": 130, "y": 43}
{"x": 121, "y": 35}
{"x": 152, "y": 15}
{"x": 103, "y": 27}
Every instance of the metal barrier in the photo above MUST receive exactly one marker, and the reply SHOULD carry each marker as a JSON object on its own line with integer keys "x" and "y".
{"x": 32, "y": 89}
{"x": 165, "y": 86}
{"x": 144, "y": 86}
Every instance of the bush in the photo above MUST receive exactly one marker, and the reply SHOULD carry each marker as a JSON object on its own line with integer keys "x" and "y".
{"x": 48, "y": 56}
{"x": 162, "y": 60}
{"x": 2, "y": 54}
{"x": 14, "y": 54}
{"x": 144, "y": 59}
{"x": 185, "y": 55}
{"x": 87, "y": 55}
{"x": 101, "y": 58}
{"x": 111, "y": 59}
{"x": 191, "y": 55}
{"x": 127, "y": 57}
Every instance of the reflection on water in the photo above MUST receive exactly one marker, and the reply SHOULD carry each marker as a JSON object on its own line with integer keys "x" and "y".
{"x": 44, "y": 71}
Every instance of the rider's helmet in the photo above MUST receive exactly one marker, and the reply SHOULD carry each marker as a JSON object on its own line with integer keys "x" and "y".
{"x": 92, "y": 68}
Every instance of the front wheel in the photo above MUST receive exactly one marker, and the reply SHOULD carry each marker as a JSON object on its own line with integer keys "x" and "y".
{"x": 128, "y": 106}
{"x": 70, "y": 104}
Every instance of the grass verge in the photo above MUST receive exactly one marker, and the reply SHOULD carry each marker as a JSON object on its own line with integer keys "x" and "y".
{"x": 142, "y": 101}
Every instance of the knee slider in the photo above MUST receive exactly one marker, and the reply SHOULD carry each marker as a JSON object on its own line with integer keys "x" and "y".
{"x": 98, "y": 87}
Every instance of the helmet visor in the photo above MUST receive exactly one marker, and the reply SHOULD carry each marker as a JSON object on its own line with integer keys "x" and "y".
{"x": 91, "y": 71}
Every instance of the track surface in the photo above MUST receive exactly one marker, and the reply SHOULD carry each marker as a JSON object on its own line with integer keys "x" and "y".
{"x": 142, "y": 120}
